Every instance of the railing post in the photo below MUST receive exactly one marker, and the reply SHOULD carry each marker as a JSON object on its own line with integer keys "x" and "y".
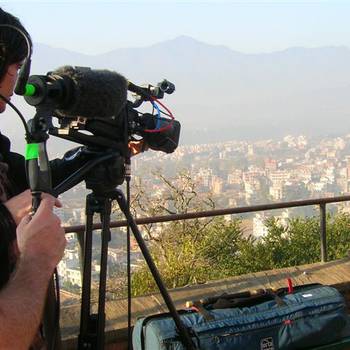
{"x": 81, "y": 241}
{"x": 323, "y": 225}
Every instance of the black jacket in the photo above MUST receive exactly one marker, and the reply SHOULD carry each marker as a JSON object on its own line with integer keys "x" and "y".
{"x": 18, "y": 181}
{"x": 60, "y": 169}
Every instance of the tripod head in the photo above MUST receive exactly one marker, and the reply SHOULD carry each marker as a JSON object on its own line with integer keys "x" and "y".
{"x": 106, "y": 175}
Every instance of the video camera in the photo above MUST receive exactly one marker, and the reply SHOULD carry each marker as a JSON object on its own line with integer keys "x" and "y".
{"x": 93, "y": 110}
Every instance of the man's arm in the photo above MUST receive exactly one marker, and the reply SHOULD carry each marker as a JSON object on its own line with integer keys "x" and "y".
{"x": 21, "y": 306}
{"x": 41, "y": 243}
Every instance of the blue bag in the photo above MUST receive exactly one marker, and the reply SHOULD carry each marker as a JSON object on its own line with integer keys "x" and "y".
{"x": 310, "y": 316}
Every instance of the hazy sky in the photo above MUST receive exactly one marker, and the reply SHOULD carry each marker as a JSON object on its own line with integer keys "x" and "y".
{"x": 248, "y": 26}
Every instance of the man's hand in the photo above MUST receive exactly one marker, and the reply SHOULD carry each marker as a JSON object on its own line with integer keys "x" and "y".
{"x": 21, "y": 205}
{"x": 137, "y": 147}
{"x": 41, "y": 238}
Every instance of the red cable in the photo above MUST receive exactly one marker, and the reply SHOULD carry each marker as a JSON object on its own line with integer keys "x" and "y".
{"x": 164, "y": 127}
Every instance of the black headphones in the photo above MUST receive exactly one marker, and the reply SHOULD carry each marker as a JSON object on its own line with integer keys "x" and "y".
{"x": 25, "y": 70}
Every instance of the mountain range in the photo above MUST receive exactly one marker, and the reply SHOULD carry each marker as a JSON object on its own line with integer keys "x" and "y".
{"x": 222, "y": 94}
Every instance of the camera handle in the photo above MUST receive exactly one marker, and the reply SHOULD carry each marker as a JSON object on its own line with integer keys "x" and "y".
{"x": 92, "y": 325}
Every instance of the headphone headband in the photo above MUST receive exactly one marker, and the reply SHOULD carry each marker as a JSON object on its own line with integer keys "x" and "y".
{"x": 23, "y": 77}
{"x": 24, "y": 35}
{"x": 3, "y": 47}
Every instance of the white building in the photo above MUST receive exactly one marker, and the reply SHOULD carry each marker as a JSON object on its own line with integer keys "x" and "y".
{"x": 259, "y": 228}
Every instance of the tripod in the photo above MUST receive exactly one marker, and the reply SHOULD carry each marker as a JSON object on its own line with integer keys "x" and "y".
{"x": 107, "y": 137}
{"x": 92, "y": 325}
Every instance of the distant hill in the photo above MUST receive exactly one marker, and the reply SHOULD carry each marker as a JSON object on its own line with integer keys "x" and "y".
{"x": 224, "y": 94}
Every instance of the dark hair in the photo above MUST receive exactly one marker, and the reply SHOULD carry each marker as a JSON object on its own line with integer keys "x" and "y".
{"x": 13, "y": 46}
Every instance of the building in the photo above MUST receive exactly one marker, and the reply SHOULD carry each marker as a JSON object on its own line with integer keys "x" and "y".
{"x": 259, "y": 228}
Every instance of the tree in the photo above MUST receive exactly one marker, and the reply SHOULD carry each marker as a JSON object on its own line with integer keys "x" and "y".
{"x": 184, "y": 251}
{"x": 338, "y": 236}
{"x": 221, "y": 248}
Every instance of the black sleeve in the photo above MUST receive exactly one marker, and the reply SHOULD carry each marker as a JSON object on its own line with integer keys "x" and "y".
{"x": 7, "y": 236}
{"x": 17, "y": 172}
{"x": 61, "y": 169}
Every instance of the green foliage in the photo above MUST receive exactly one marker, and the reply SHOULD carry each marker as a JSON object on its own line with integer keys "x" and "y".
{"x": 338, "y": 236}
{"x": 286, "y": 245}
{"x": 189, "y": 256}
{"x": 220, "y": 248}
{"x": 296, "y": 243}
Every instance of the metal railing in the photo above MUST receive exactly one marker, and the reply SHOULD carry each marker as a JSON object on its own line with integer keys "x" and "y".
{"x": 321, "y": 202}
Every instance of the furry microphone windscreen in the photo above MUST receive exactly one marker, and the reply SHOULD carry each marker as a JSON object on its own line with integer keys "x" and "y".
{"x": 96, "y": 93}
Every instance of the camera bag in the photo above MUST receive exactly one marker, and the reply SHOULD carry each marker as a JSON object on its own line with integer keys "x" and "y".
{"x": 309, "y": 316}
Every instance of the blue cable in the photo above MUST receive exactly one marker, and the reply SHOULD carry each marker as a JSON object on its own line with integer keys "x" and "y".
{"x": 158, "y": 115}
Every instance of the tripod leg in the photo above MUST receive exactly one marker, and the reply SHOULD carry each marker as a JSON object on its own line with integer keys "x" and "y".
{"x": 105, "y": 238}
{"x": 137, "y": 234}
{"x": 85, "y": 337}
{"x": 92, "y": 326}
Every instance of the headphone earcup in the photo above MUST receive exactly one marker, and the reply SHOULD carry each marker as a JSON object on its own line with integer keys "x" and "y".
{"x": 2, "y": 59}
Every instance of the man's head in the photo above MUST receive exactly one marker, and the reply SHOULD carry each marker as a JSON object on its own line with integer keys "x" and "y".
{"x": 13, "y": 51}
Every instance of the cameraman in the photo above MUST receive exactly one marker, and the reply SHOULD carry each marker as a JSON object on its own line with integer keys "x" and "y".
{"x": 28, "y": 258}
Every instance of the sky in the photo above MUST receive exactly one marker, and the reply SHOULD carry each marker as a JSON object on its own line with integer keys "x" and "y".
{"x": 94, "y": 27}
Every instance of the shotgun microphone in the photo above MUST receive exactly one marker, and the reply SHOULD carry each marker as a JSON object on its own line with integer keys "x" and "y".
{"x": 79, "y": 91}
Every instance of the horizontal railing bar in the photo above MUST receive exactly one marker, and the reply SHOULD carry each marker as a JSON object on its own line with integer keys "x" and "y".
{"x": 216, "y": 212}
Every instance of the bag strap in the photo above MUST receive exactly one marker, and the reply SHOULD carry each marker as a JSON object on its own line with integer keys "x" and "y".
{"x": 247, "y": 298}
